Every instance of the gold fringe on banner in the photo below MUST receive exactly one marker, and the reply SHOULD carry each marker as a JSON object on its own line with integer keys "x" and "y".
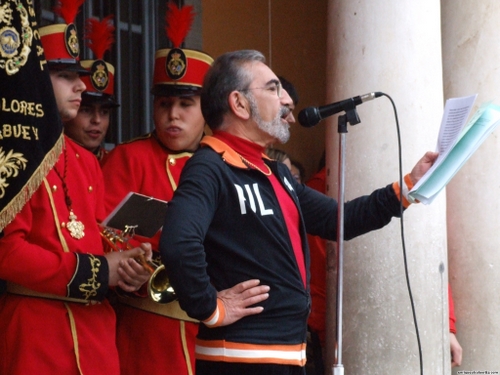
{"x": 10, "y": 211}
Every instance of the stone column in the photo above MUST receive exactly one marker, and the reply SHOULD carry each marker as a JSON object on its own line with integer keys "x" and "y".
{"x": 391, "y": 46}
{"x": 471, "y": 52}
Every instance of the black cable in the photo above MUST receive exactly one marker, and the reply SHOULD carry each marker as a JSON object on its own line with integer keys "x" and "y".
{"x": 401, "y": 182}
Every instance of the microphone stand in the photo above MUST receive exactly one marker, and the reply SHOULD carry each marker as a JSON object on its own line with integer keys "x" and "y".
{"x": 351, "y": 117}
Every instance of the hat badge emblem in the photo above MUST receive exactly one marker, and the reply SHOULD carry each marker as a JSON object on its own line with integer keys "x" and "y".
{"x": 100, "y": 75}
{"x": 14, "y": 49}
{"x": 176, "y": 63}
{"x": 72, "y": 44}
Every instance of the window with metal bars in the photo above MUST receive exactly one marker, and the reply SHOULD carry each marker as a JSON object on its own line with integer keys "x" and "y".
{"x": 140, "y": 31}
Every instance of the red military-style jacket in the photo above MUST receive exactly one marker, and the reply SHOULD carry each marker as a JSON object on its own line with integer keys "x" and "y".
{"x": 55, "y": 319}
{"x": 151, "y": 338}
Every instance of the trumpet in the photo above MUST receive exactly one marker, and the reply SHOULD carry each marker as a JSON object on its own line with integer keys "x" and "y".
{"x": 159, "y": 288}
{"x": 120, "y": 242}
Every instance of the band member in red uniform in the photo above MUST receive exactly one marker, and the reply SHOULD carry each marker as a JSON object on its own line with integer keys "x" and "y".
{"x": 54, "y": 318}
{"x": 90, "y": 125}
{"x": 157, "y": 338}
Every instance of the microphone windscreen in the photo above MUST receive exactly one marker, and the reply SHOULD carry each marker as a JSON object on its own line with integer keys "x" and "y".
{"x": 309, "y": 117}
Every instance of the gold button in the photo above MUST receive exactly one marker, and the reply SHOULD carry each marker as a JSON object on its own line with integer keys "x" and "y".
{"x": 171, "y": 161}
{"x": 54, "y": 188}
{"x": 91, "y": 189}
{"x": 63, "y": 224}
{"x": 77, "y": 155}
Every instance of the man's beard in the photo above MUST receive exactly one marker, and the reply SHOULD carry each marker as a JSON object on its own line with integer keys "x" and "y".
{"x": 276, "y": 128}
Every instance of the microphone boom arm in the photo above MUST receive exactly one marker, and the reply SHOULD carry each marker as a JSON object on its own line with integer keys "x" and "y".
{"x": 310, "y": 116}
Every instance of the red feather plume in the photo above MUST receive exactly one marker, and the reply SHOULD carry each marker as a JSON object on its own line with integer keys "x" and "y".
{"x": 178, "y": 22}
{"x": 100, "y": 35}
{"x": 68, "y": 9}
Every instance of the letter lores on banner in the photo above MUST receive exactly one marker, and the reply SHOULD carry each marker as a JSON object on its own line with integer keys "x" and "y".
{"x": 30, "y": 127}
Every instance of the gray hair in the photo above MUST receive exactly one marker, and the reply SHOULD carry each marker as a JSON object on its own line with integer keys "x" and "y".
{"x": 227, "y": 74}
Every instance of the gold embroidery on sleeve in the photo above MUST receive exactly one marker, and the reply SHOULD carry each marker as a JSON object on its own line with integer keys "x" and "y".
{"x": 89, "y": 289}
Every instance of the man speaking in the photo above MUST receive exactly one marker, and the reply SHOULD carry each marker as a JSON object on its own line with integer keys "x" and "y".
{"x": 234, "y": 240}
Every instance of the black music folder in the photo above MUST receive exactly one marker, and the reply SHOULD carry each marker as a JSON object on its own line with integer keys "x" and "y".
{"x": 146, "y": 214}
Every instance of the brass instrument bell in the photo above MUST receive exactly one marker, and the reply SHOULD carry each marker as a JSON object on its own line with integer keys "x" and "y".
{"x": 159, "y": 288}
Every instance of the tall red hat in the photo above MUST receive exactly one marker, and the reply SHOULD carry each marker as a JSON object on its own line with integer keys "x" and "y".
{"x": 101, "y": 79}
{"x": 179, "y": 71}
{"x": 60, "y": 41}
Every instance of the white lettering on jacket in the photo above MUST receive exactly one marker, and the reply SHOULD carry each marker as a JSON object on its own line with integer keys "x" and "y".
{"x": 288, "y": 184}
{"x": 252, "y": 195}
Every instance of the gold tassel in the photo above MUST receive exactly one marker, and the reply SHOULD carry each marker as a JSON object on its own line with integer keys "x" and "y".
{"x": 17, "y": 203}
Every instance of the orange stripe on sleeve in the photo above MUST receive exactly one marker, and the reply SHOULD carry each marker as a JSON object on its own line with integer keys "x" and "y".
{"x": 218, "y": 315}
{"x": 406, "y": 189}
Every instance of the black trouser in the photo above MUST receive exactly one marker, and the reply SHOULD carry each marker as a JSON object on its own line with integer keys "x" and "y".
{"x": 314, "y": 355}
{"x": 225, "y": 368}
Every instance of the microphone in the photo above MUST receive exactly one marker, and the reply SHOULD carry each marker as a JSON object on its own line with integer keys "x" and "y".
{"x": 310, "y": 116}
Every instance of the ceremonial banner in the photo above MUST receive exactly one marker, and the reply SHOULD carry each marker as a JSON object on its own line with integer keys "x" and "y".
{"x": 30, "y": 126}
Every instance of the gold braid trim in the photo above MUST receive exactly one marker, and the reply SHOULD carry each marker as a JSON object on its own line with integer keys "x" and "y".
{"x": 10, "y": 211}
{"x": 171, "y": 178}
{"x": 56, "y": 218}
{"x": 185, "y": 348}
{"x": 74, "y": 334}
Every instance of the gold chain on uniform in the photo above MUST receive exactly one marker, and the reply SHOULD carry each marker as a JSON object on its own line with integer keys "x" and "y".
{"x": 74, "y": 226}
